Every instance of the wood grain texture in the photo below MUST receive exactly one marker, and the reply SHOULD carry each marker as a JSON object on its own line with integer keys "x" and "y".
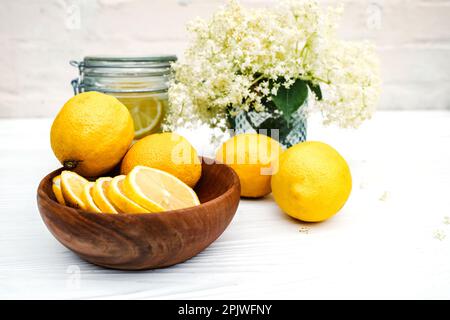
{"x": 145, "y": 241}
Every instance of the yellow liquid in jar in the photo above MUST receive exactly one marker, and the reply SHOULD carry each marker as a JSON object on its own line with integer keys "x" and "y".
{"x": 147, "y": 111}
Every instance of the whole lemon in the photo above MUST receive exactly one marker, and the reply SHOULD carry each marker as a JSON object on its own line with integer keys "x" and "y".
{"x": 313, "y": 181}
{"x": 254, "y": 157}
{"x": 91, "y": 133}
{"x": 166, "y": 151}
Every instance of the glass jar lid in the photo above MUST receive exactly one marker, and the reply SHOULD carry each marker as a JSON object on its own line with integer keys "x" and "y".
{"x": 124, "y": 66}
{"x": 123, "y": 74}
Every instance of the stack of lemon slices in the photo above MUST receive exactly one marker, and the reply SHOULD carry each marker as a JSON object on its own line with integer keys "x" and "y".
{"x": 142, "y": 190}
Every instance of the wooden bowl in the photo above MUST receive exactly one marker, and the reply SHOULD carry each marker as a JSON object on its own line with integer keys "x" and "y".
{"x": 147, "y": 240}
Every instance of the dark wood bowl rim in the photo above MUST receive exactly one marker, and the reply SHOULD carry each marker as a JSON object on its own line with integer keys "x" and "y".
{"x": 125, "y": 215}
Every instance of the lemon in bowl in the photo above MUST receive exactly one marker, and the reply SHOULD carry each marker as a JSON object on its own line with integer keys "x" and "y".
{"x": 168, "y": 152}
{"x": 91, "y": 133}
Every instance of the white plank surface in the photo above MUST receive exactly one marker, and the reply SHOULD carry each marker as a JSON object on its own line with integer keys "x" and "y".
{"x": 381, "y": 245}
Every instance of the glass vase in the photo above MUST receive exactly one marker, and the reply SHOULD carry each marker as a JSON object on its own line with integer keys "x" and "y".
{"x": 272, "y": 123}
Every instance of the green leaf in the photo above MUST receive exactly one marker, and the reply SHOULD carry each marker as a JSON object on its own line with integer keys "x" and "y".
{"x": 316, "y": 89}
{"x": 289, "y": 100}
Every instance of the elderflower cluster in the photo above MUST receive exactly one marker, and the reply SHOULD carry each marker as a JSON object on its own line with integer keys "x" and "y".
{"x": 240, "y": 57}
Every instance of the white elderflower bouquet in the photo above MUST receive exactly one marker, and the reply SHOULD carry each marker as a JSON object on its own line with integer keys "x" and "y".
{"x": 269, "y": 61}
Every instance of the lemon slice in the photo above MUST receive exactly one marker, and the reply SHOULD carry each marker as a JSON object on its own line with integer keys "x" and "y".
{"x": 72, "y": 186}
{"x": 147, "y": 114}
{"x": 118, "y": 198}
{"x": 56, "y": 187}
{"x": 87, "y": 198}
{"x": 158, "y": 190}
{"x": 99, "y": 195}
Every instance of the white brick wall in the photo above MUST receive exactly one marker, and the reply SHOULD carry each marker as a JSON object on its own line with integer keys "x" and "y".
{"x": 39, "y": 37}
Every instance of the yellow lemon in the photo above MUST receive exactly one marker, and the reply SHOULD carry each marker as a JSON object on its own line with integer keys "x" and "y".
{"x": 72, "y": 186}
{"x": 100, "y": 198}
{"x": 169, "y": 152}
{"x": 56, "y": 187}
{"x": 87, "y": 198}
{"x": 254, "y": 157}
{"x": 313, "y": 181}
{"x": 158, "y": 190}
{"x": 120, "y": 200}
{"x": 91, "y": 133}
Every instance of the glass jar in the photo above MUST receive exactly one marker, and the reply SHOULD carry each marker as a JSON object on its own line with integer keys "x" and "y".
{"x": 140, "y": 83}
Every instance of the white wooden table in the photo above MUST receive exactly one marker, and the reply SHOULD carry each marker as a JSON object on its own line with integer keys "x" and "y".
{"x": 388, "y": 241}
